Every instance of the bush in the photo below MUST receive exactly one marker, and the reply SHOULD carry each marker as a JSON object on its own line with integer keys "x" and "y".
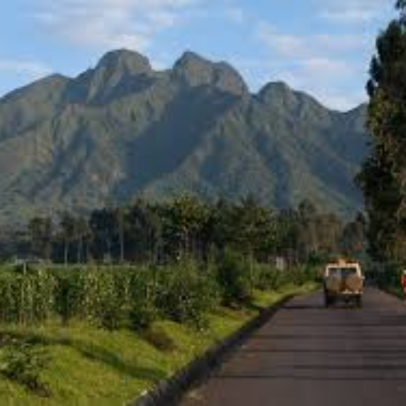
{"x": 388, "y": 276}
{"x": 112, "y": 297}
{"x": 28, "y": 297}
{"x": 143, "y": 291}
{"x": 269, "y": 278}
{"x": 187, "y": 294}
{"x": 69, "y": 294}
{"x": 24, "y": 363}
{"x": 236, "y": 279}
{"x": 160, "y": 339}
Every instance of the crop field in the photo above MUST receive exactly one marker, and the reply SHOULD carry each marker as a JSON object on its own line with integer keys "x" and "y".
{"x": 106, "y": 334}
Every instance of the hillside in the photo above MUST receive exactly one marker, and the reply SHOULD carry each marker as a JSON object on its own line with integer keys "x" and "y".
{"x": 123, "y": 130}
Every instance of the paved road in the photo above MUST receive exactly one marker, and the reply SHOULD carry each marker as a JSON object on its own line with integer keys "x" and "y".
{"x": 307, "y": 355}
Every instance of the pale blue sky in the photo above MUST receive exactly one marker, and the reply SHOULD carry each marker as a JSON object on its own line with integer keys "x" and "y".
{"x": 320, "y": 46}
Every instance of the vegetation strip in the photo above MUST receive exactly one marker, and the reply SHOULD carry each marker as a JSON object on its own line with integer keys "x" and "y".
{"x": 169, "y": 391}
{"x": 66, "y": 332}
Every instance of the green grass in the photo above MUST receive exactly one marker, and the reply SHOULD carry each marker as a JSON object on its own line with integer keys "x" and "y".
{"x": 92, "y": 366}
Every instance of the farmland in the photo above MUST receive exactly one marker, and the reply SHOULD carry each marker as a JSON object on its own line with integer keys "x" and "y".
{"x": 107, "y": 334}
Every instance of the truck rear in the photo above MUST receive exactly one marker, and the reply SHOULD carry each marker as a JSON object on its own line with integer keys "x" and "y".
{"x": 343, "y": 281}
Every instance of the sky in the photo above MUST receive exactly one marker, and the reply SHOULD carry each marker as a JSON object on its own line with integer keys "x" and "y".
{"x": 322, "y": 47}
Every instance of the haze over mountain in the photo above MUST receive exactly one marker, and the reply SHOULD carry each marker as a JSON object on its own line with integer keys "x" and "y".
{"x": 123, "y": 130}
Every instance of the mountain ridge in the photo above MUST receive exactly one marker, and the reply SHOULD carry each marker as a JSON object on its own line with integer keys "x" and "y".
{"x": 122, "y": 130}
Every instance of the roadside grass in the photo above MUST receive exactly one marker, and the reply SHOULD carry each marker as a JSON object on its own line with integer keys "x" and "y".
{"x": 92, "y": 366}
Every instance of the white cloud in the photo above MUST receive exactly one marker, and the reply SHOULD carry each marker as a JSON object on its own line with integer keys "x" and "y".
{"x": 353, "y": 11}
{"x": 327, "y": 80}
{"x": 320, "y": 64}
{"x": 348, "y": 16}
{"x": 339, "y": 101}
{"x": 295, "y": 46}
{"x": 32, "y": 69}
{"x": 106, "y": 24}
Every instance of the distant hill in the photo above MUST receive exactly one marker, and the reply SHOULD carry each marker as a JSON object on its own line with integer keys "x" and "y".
{"x": 123, "y": 130}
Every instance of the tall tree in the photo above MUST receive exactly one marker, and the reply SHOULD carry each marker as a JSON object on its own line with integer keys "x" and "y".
{"x": 143, "y": 228}
{"x": 186, "y": 218}
{"x": 104, "y": 228}
{"x": 383, "y": 176}
{"x": 67, "y": 226}
{"x": 40, "y": 230}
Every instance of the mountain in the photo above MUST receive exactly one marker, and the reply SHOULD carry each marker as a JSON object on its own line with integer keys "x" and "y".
{"x": 122, "y": 130}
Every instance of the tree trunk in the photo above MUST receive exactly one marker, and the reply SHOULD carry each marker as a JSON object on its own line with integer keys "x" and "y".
{"x": 121, "y": 243}
{"x": 80, "y": 249}
{"x": 66, "y": 252}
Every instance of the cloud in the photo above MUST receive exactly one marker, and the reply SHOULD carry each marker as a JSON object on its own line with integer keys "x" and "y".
{"x": 330, "y": 81}
{"x": 32, "y": 69}
{"x": 320, "y": 64}
{"x": 295, "y": 46}
{"x": 339, "y": 101}
{"x": 106, "y": 24}
{"x": 318, "y": 73}
{"x": 348, "y": 16}
{"x": 353, "y": 11}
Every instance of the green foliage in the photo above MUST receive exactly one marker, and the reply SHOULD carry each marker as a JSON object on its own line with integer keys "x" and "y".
{"x": 40, "y": 230}
{"x": 159, "y": 338}
{"x": 102, "y": 298}
{"x": 159, "y": 233}
{"x": 235, "y": 277}
{"x": 268, "y": 278}
{"x": 187, "y": 294}
{"x": 383, "y": 175}
{"x": 69, "y": 294}
{"x": 26, "y": 296}
{"x": 143, "y": 291}
{"x": 135, "y": 297}
{"x": 388, "y": 277}
{"x": 24, "y": 363}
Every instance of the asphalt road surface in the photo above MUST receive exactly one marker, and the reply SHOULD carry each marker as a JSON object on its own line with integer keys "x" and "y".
{"x": 307, "y": 355}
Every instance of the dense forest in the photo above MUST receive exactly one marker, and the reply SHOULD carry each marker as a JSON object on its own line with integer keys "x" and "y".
{"x": 188, "y": 227}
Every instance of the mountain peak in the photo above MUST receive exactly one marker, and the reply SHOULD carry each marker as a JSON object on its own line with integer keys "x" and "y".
{"x": 275, "y": 90}
{"x": 190, "y": 57}
{"x": 124, "y": 60}
{"x": 114, "y": 74}
{"x": 279, "y": 94}
{"x": 194, "y": 70}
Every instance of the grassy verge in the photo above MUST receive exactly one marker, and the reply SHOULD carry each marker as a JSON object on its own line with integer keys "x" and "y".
{"x": 88, "y": 365}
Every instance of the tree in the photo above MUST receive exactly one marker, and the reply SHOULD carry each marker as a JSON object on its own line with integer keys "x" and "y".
{"x": 67, "y": 226}
{"x": 383, "y": 176}
{"x": 82, "y": 235}
{"x": 120, "y": 220}
{"x": 104, "y": 228}
{"x": 40, "y": 230}
{"x": 307, "y": 241}
{"x": 186, "y": 218}
{"x": 143, "y": 228}
{"x": 353, "y": 237}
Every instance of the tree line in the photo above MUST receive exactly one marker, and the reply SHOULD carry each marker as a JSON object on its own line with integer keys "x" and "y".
{"x": 383, "y": 176}
{"x": 144, "y": 232}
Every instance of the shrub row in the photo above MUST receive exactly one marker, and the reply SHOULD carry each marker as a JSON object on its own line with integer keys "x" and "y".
{"x": 135, "y": 297}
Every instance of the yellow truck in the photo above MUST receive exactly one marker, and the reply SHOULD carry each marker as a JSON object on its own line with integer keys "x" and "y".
{"x": 343, "y": 280}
